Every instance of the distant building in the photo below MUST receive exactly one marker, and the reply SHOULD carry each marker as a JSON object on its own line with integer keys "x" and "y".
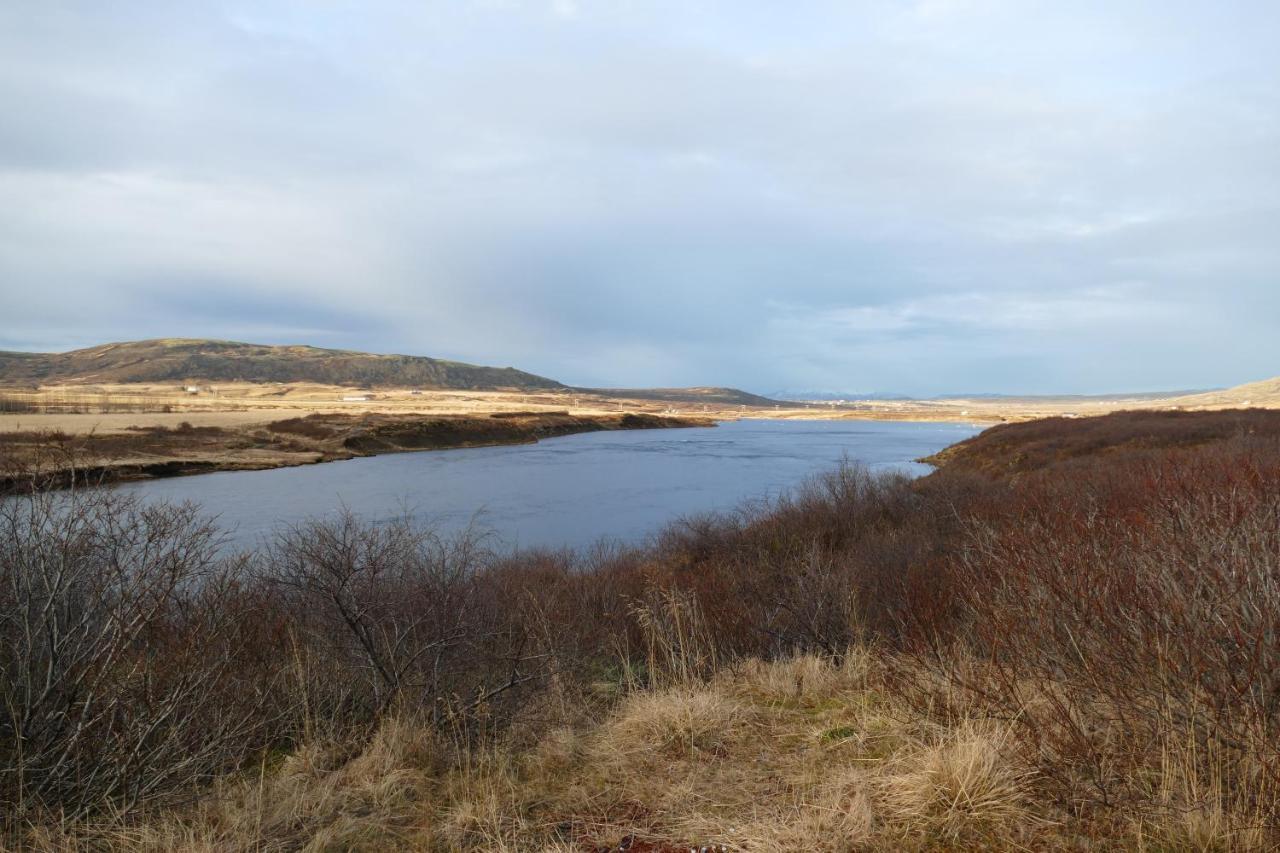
{"x": 191, "y": 389}
{"x": 355, "y": 398}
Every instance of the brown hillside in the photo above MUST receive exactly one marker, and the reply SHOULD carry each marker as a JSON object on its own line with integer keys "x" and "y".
{"x": 180, "y": 359}
{"x": 710, "y": 396}
{"x": 1019, "y": 448}
{"x": 1265, "y": 393}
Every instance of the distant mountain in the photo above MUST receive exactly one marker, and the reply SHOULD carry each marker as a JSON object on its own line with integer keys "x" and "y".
{"x": 1133, "y": 397}
{"x": 1257, "y": 390}
{"x": 832, "y": 396}
{"x": 719, "y": 396}
{"x": 193, "y": 360}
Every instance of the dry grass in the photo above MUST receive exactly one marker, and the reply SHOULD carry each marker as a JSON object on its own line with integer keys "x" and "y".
{"x": 680, "y": 723}
{"x": 316, "y": 798}
{"x": 803, "y": 754}
{"x": 966, "y": 781}
{"x": 1193, "y": 811}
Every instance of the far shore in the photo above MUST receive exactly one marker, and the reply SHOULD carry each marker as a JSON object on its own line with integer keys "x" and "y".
{"x": 153, "y": 450}
{"x": 81, "y": 409}
{"x": 78, "y": 409}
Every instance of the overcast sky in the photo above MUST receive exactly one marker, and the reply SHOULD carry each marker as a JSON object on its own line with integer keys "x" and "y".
{"x": 925, "y": 197}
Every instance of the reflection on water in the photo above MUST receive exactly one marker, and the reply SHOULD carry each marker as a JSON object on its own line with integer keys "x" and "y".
{"x": 564, "y": 491}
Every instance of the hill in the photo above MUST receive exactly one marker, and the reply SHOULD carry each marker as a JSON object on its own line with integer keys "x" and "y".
{"x": 709, "y": 396}
{"x": 1014, "y": 449}
{"x": 1262, "y": 394}
{"x": 193, "y": 360}
{"x": 834, "y": 396}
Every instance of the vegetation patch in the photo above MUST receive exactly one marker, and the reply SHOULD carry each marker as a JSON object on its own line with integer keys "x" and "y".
{"x": 839, "y": 733}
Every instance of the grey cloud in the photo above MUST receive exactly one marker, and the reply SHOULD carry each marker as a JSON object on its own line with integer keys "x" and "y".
{"x": 945, "y": 194}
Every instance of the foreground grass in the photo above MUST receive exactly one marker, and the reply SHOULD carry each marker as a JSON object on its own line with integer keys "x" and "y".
{"x": 803, "y": 754}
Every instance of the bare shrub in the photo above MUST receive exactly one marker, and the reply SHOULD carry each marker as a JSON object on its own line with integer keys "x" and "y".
{"x": 388, "y": 603}
{"x": 121, "y": 671}
{"x": 1131, "y": 609}
{"x": 319, "y": 426}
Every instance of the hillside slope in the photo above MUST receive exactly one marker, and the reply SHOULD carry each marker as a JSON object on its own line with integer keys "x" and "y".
{"x": 1262, "y": 394}
{"x": 705, "y": 395}
{"x": 1009, "y": 450}
{"x": 180, "y": 359}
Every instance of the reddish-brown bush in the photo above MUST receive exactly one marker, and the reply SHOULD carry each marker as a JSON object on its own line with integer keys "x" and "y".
{"x": 1144, "y": 594}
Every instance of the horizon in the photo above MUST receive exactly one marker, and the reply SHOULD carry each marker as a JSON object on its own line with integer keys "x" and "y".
{"x": 801, "y": 395}
{"x": 919, "y": 197}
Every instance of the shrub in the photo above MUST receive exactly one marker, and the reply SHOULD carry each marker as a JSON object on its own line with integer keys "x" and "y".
{"x": 122, "y": 654}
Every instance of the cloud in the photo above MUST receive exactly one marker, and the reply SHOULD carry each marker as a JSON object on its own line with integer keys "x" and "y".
{"x": 565, "y": 8}
{"x": 974, "y": 194}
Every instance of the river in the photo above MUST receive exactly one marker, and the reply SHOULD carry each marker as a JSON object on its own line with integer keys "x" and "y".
{"x": 570, "y": 491}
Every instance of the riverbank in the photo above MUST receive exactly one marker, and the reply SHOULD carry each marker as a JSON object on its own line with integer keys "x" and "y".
{"x": 160, "y": 450}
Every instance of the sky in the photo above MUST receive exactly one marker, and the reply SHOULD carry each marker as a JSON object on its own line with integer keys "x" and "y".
{"x": 916, "y": 196}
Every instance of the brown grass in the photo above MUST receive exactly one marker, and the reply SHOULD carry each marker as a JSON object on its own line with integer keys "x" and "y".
{"x": 745, "y": 762}
{"x": 754, "y": 761}
{"x": 965, "y": 782}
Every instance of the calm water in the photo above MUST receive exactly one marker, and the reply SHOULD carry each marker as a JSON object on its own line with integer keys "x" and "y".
{"x": 563, "y": 491}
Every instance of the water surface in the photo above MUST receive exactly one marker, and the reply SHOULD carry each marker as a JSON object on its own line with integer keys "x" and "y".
{"x": 568, "y": 491}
